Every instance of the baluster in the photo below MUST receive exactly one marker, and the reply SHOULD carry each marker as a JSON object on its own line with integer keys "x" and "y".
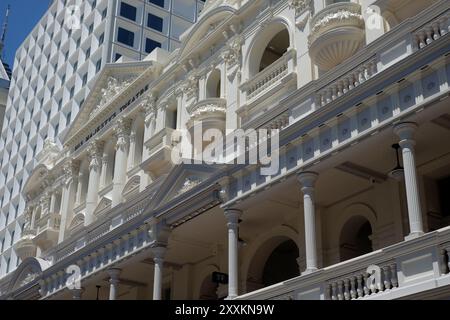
{"x": 443, "y": 268}
{"x": 429, "y": 32}
{"x": 340, "y": 294}
{"x": 436, "y": 30}
{"x": 345, "y": 83}
{"x": 351, "y": 83}
{"x": 334, "y": 291}
{"x": 334, "y": 92}
{"x": 421, "y": 36}
{"x": 347, "y": 289}
{"x": 366, "y": 287}
{"x": 448, "y": 258}
{"x": 328, "y": 292}
{"x": 353, "y": 294}
{"x": 442, "y": 23}
{"x": 386, "y": 278}
{"x": 339, "y": 88}
{"x": 359, "y": 289}
{"x": 394, "y": 279}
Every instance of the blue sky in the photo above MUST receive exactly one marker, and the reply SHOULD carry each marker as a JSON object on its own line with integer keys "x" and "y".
{"x": 23, "y": 17}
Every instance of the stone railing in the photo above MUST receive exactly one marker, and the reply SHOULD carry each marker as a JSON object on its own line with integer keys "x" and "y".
{"x": 347, "y": 82}
{"x": 432, "y": 31}
{"x": 389, "y": 273}
{"x": 269, "y": 76}
{"x": 355, "y": 285}
{"x": 48, "y": 221}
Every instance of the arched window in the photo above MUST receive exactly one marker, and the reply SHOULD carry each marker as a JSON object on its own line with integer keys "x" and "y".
{"x": 355, "y": 239}
{"x": 275, "y": 261}
{"x": 213, "y": 84}
{"x": 269, "y": 46}
{"x": 208, "y": 290}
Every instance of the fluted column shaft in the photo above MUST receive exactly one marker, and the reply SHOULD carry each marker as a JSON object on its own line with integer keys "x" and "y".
{"x": 405, "y": 132}
{"x": 120, "y": 167}
{"x": 68, "y": 195}
{"x": 104, "y": 170}
{"x": 307, "y": 181}
{"x": 232, "y": 216}
{"x": 95, "y": 151}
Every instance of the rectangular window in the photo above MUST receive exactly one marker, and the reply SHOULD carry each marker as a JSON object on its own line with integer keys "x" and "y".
{"x": 101, "y": 39}
{"x": 68, "y": 118}
{"x": 104, "y": 13}
{"x": 56, "y": 130}
{"x": 150, "y": 45}
{"x": 155, "y": 22}
{"x": 128, "y": 11}
{"x": 91, "y": 28}
{"x": 98, "y": 65}
{"x": 126, "y": 37}
{"x": 88, "y": 53}
{"x": 72, "y": 92}
{"x": 158, "y": 2}
{"x": 59, "y": 104}
{"x": 84, "y": 79}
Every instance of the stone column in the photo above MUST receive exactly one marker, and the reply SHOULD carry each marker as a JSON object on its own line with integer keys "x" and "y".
{"x": 307, "y": 181}
{"x": 67, "y": 201}
{"x": 158, "y": 258}
{"x": 104, "y": 171}
{"x": 95, "y": 152}
{"x": 232, "y": 216}
{"x": 132, "y": 149}
{"x": 79, "y": 189}
{"x": 122, "y": 131}
{"x": 53, "y": 202}
{"x": 113, "y": 283}
{"x": 405, "y": 131}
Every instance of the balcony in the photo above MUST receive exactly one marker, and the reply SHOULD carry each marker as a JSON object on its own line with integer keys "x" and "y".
{"x": 210, "y": 112}
{"x": 405, "y": 269}
{"x": 25, "y": 247}
{"x": 337, "y": 33}
{"x": 274, "y": 81}
{"x": 47, "y": 230}
{"x": 159, "y": 148}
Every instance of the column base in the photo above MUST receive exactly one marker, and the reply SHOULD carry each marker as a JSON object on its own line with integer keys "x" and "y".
{"x": 414, "y": 235}
{"x": 309, "y": 271}
{"x": 231, "y": 297}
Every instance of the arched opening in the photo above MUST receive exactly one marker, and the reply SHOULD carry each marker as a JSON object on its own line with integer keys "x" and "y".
{"x": 275, "y": 261}
{"x": 275, "y": 49}
{"x": 270, "y": 45}
{"x": 281, "y": 264}
{"x": 355, "y": 239}
{"x": 208, "y": 289}
{"x": 213, "y": 84}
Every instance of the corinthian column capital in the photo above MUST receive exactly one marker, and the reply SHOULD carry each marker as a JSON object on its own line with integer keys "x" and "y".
{"x": 95, "y": 151}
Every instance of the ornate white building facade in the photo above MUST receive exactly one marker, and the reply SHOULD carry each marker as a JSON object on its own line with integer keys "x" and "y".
{"x": 347, "y": 88}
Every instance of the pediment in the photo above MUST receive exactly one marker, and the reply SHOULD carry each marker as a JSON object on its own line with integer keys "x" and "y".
{"x": 103, "y": 206}
{"x": 211, "y": 18}
{"x": 132, "y": 187}
{"x": 114, "y": 79}
{"x": 182, "y": 179}
{"x": 28, "y": 271}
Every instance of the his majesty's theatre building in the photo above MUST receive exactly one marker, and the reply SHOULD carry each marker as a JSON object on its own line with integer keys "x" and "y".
{"x": 359, "y": 91}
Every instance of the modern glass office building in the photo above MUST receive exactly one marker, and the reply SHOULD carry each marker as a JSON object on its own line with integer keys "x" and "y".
{"x": 54, "y": 70}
